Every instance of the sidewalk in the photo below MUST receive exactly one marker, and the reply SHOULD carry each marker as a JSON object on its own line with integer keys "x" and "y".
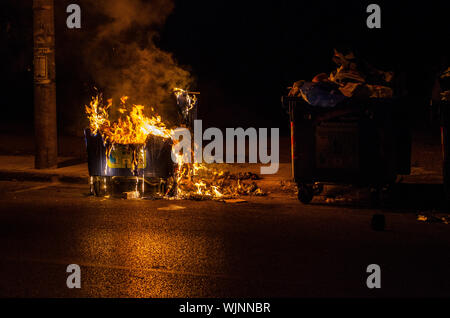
{"x": 426, "y": 166}
{"x": 72, "y": 171}
{"x": 22, "y": 168}
{"x": 17, "y": 161}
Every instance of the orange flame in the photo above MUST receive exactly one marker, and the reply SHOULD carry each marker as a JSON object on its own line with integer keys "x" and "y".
{"x": 132, "y": 127}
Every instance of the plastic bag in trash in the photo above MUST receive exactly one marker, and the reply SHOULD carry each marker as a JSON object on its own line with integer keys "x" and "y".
{"x": 321, "y": 94}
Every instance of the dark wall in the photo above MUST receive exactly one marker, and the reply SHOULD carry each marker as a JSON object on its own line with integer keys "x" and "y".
{"x": 243, "y": 53}
{"x": 246, "y": 53}
{"x": 16, "y": 86}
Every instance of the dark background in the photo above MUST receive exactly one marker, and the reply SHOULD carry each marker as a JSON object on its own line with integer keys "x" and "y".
{"x": 243, "y": 54}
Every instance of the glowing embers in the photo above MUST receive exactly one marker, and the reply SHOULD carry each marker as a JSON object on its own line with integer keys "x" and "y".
{"x": 200, "y": 182}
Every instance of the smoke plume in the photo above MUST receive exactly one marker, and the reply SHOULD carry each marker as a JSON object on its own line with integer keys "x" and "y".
{"x": 123, "y": 59}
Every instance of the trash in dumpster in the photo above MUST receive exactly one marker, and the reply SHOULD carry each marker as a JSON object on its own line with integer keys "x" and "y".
{"x": 209, "y": 183}
{"x": 321, "y": 94}
{"x": 353, "y": 78}
{"x": 351, "y": 68}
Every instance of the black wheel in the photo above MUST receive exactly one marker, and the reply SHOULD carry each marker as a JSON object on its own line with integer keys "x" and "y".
{"x": 305, "y": 193}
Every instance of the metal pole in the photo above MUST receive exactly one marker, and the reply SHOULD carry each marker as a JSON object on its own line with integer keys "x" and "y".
{"x": 44, "y": 85}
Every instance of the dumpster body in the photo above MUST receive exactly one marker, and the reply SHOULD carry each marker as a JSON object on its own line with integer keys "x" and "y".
{"x": 120, "y": 168}
{"x": 444, "y": 110}
{"x": 363, "y": 142}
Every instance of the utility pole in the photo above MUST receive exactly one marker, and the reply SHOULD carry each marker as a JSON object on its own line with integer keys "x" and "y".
{"x": 44, "y": 85}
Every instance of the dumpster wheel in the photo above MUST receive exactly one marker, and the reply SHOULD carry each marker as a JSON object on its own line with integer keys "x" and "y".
{"x": 305, "y": 193}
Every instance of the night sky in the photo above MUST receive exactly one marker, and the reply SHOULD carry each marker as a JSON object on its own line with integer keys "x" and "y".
{"x": 243, "y": 54}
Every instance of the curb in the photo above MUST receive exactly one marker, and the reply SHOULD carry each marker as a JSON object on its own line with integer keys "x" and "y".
{"x": 8, "y": 175}
{"x": 41, "y": 177}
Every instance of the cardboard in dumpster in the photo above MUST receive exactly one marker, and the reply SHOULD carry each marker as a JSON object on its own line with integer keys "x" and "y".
{"x": 354, "y": 77}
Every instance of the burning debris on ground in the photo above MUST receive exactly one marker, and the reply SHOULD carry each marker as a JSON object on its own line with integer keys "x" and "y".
{"x": 433, "y": 217}
{"x": 135, "y": 144}
{"x": 210, "y": 183}
{"x": 288, "y": 186}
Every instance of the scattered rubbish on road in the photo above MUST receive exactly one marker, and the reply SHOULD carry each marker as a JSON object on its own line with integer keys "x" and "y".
{"x": 433, "y": 218}
{"x": 240, "y": 176}
{"x": 131, "y": 195}
{"x": 339, "y": 199}
{"x": 172, "y": 207}
{"x": 421, "y": 218}
{"x": 288, "y": 186}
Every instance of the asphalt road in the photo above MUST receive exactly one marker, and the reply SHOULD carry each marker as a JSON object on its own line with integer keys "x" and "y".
{"x": 267, "y": 247}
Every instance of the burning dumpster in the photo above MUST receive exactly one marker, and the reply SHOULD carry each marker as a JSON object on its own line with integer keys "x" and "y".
{"x": 130, "y": 156}
{"x": 120, "y": 169}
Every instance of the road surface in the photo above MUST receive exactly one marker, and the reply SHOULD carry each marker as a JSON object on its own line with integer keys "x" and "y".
{"x": 270, "y": 246}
